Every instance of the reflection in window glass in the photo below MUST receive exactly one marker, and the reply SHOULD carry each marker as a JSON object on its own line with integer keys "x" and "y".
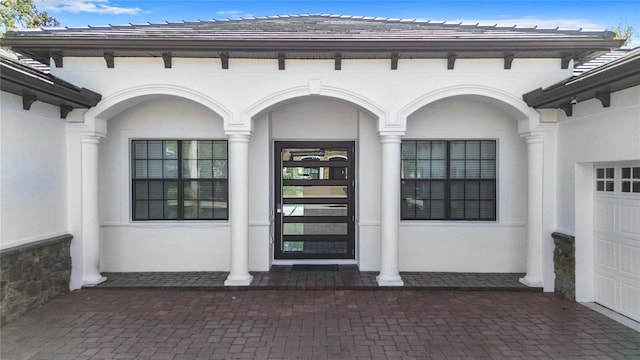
{"x": 190, "y": 184}
{"x": 448, "y": 180}
{"x": 630, "y": 179}
{"x": 605, "y": 179}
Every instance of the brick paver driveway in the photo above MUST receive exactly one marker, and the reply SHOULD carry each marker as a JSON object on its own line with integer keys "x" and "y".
{"x": 314, "y": 324}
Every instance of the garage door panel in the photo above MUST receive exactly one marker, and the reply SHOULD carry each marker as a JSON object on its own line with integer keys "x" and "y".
{"x": 616, "y": 244}
{"x": 605, "y": 290}
{"x": 605, "y": 254}
{"x": 605, "y": 216}
{"x": 630, "y": 300}
{"x": 630, "y": 220}
{"x": 630, "y": 260}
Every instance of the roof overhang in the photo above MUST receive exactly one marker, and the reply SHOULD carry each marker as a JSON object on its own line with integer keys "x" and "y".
{"x": 598, "y": 83}
{"x": 43, "y": 48}
{"x": 34, "y": 85}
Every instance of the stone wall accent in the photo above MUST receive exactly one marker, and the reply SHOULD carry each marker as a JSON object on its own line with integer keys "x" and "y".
{"x": 564, "y": 265}
{"x": 32, "y": 274}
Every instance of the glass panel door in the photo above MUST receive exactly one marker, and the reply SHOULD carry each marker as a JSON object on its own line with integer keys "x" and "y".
{"x": 314, "y": 200}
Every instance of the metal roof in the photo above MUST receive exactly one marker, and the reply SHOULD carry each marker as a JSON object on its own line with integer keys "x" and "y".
{"x": 312, "y": 36}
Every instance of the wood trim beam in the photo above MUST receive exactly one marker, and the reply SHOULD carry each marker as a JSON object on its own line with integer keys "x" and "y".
{"x": 604, "y": 97}
{"x": 565, "y": 60}
{"x": 57, "y": 58}
{"x": 451, "y": 60}
{"x": 337, "y": 61}
{"x": 28, "y": 100}
{"x": 64, "y": 111}
{"x": 567, "y": 108}
{"x": 508, "y": 60}
{"x": 224, "y": 60}
{"x": 394, "y": 61}
{"x": 166, "y": 57}
{"x": 281, "y": 62}
{"x": 109, "y": 58}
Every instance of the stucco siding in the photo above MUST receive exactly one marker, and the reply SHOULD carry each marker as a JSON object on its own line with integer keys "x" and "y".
{"x": 155, "y": 246}
{"x": 33, "y": 181}
{"x": 312, "y": 101}
{"x": 589, "y": 137}
{"x": 486, "y": 246}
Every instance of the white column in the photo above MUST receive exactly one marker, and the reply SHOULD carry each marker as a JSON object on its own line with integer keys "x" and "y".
{"x": 239, "y": 209}
{"x": 535, "y": 154}
{"x": 90, "y": 220}
{"x": 390, "y": 211}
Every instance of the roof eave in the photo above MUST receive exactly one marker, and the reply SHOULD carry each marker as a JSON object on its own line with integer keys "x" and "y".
{"x": 68, "y": 45}
{"x": 586, "y": 86}
{"x": 46, "y": 90}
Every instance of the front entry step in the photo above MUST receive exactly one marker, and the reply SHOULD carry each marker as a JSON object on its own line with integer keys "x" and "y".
{"x": 310, "y": 267}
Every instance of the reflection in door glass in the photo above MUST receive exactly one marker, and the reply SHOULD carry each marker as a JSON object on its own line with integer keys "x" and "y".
{"x": 314, "y": 154}
{"x": 314, "y": 173}
{"x": 321, "y": 247}
{"x": 315, "y": 229}
{"x": 314, "y": 191}
{"x": 315, "y": 210}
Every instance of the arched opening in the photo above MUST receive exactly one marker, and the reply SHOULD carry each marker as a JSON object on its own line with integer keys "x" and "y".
{"x": 335, "y": 130}
{"x": 464, "y": 184}
{"x": 155, "y": 213}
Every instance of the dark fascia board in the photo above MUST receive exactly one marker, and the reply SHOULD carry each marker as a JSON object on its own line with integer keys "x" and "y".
{"x": 77, "y": 46}
{"x": 20, "y": 80}
{"x": 616, "y": 76}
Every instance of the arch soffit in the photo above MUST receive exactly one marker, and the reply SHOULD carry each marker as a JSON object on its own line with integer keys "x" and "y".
{"x": 512, "y": 105}
{"x": 122, "y": 100}
{"x": 263, "y": 105}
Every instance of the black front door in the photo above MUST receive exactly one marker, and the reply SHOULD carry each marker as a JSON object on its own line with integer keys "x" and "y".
{"x": 314, "y": 205}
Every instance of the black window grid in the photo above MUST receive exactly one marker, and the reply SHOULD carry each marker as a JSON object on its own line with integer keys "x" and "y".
{"x": 172, "y": 195}
{"x": 470, "y": 195}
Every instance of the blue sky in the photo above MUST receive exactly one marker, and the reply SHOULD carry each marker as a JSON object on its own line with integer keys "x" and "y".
{"x": 570, "y": 14}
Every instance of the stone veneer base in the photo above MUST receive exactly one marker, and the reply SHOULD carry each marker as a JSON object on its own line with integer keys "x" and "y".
{"x": 33, "y": 274}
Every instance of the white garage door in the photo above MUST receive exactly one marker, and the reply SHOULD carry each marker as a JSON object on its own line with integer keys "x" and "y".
{"x": 617, "y": 238}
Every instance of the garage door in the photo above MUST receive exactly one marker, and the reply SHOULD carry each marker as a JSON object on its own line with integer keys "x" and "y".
{"x": 617, "y": 238}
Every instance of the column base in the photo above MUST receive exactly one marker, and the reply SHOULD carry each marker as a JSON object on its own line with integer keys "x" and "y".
{"x": 531, "y": 281}
{"x": 242, "y": 280}
{"x": 385, "y": 280}
{"x": 91, "y": 281}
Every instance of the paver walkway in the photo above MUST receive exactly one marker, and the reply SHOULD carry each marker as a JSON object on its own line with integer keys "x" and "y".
{"x": 346, "y": 277}
{"x": 110, "y": 323}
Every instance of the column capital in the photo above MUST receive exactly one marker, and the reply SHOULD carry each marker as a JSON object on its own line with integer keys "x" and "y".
{"x": 238, "y": 135}
{"x": 391, "y": 136}
{"x": 533, "y": 137}
{"x": 91, "y": 139}
{"x": 96, "y": 128}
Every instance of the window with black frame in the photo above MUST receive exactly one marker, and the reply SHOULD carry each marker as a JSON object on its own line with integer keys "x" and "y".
{"x": 179, "y": 179}
{"x": 448, "y": 180}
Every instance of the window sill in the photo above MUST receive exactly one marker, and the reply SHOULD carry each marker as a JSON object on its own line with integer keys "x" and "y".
{"x": 170, "y": 224}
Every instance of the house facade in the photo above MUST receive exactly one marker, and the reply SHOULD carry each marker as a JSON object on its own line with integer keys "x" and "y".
{"x": 394, "y": 145}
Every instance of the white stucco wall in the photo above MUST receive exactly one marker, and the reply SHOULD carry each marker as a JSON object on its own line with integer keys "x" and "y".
{"x": 480, "y": 246}
{"x": 593, "y": 135}
{"x": 157, "y": 245}
{"x": 33, "y": 188}
{"x": 253, "y": 95}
